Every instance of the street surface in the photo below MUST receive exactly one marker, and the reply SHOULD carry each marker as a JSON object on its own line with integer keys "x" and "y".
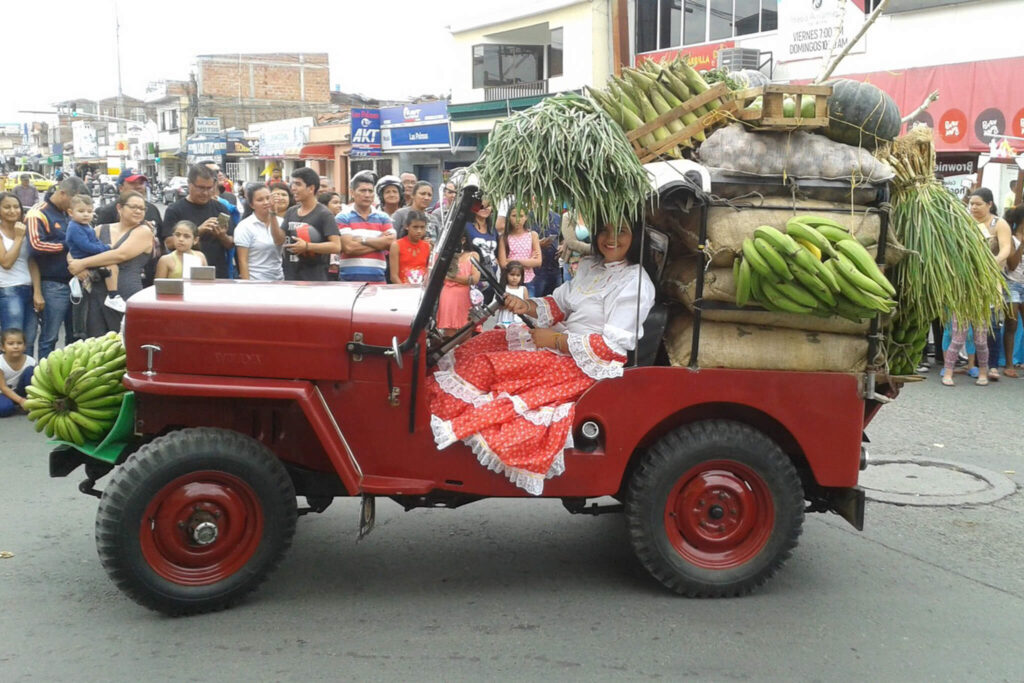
{"x": 523, "y": 590}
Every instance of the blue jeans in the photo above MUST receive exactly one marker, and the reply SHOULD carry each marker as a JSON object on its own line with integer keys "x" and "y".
{"x": 345, "y": 277}
{"x": 16, "y": 311}
{"x": 545, "y": 281}
{"x": 57, "y": 296}
{"x": 9, "y": 407}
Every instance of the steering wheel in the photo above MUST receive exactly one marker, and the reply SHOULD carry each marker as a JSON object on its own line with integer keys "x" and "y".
{"x": 499, "y": 289}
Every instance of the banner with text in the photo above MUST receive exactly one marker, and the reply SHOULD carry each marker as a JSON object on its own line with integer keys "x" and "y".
{"x": 808, "y": 29}
{"x": 365, "y": 136}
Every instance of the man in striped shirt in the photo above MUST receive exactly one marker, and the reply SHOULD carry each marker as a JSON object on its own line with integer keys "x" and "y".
{"x": 366, "y": 236}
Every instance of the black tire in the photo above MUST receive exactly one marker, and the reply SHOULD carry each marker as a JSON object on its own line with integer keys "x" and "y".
{"x": 714, "y": 509}
{"x": 226, "y": 482}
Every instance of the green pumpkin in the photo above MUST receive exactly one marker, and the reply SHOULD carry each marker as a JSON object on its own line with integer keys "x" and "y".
{"x": 861, "y": 114}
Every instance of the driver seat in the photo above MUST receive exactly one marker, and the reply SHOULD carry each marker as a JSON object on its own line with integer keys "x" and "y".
{"x": 646, "y": 351}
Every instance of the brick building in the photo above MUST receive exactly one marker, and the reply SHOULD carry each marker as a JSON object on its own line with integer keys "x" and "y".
{"x": 242, "y": 89}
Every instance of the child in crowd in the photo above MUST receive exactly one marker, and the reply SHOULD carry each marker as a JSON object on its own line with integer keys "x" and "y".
{"x": 408, "y": 256}
{"x": 512, "y": 278}
{"x": 453, "y": 308}
{"x": 17, "y": 368}
{"x": 519, "y": 243}
{"x": 82, "y": 242}
{"x": 179, "y": 263}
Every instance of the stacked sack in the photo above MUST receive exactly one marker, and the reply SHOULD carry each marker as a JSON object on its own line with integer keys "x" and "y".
{"x": 796, "y": 298}
{"x": 76, "y": 392}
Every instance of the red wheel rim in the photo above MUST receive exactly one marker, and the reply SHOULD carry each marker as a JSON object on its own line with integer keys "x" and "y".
{"x": 201, "y": 528}
{"x": 719, "y": 515}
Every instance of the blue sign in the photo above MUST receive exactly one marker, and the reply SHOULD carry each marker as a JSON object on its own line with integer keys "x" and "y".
{"x": 206, "y": 148}
{"x": 365, "y": 137}
{"x": 420, "y": 136}
{"x": 426, "y": 112}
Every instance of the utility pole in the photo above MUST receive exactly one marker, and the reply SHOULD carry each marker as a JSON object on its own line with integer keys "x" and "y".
{"x": 117, "y": 40}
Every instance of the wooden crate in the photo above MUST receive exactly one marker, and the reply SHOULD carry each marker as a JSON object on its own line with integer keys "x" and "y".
{"x": 704, "y": 124}
{"x": 771, "y": 116}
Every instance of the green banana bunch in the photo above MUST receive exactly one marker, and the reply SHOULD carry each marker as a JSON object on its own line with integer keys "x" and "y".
{"x": 75, "y": 394}
{"x": 785, "y": 271}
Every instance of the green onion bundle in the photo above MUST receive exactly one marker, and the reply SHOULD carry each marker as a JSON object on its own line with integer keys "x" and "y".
{"x": 949, "y": 270}
{"x": 565, "y": 151}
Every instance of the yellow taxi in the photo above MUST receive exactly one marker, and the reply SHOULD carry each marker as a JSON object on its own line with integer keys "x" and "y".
{"x": 41, "y": 182}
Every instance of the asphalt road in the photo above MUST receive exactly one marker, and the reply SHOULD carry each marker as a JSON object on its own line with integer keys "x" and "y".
{"x": 522, "y": 590}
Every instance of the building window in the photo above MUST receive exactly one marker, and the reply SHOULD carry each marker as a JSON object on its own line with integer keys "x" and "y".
{"x": 495, "y": 65}
{"x": 662, "y": 24}
{"x": 555, "y": 53}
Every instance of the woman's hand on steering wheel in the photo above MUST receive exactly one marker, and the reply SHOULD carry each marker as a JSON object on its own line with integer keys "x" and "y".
{"x": 516, "y": 305}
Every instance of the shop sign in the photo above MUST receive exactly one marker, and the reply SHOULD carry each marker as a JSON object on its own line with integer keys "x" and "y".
{"x": 956, "y": 165}
{"x": 205, "y": 148}
{"x": 807, "y": 29}
{"x": 700, "y": 57}
{"x": 84, "y": 139}
{"x": 407, "y": 138}
{"x": 975, "y": 108}
{"x": 410, "y": 114}
{"x": 278, "y": 138}
{"x": 414, "y": 127}
{"x": 207, "y": 125}
{"x": 365, "y": 136}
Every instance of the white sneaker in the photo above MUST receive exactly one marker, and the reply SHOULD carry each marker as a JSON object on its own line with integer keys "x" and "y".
{"x": 76, "y": 290}
{"x": 116, "y": 302}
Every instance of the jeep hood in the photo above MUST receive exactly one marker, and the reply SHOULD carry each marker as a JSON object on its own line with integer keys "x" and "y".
{"x": 279, "y": 330}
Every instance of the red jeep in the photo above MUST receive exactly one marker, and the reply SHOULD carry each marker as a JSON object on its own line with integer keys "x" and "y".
{"x": 248, "y": 394}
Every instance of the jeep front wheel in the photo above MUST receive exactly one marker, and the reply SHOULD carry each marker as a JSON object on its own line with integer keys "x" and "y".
{"x": 714, "y": 509}
{"x": 194, "y": 520}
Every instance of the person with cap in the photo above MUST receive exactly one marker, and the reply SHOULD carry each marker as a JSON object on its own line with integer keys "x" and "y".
{"x": 27, "y": 193}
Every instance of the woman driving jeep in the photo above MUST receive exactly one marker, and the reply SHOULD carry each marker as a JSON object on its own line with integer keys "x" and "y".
{"x": 509, "y": 394}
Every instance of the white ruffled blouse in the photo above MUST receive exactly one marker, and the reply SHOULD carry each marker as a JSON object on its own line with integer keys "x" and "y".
{"x": 597, "y": 310}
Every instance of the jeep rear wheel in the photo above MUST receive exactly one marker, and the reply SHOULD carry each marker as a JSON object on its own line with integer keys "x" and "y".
{"x": 714, "y": 509}
{"x": 195, "y": 520}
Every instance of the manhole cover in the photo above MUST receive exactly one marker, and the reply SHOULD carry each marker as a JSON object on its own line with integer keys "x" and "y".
{"x": 932, "y": 482}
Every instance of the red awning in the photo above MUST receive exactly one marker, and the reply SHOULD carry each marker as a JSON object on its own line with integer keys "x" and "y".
{"x": 976, "y": 99}
{"x": 317, "y": 152}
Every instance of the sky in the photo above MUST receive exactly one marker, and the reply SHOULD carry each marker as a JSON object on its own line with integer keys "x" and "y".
{"x": 383, "y": 48}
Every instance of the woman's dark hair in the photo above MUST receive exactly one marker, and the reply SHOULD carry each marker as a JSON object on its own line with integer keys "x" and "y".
{"x": 422, "y": 183}
{"x": 5, "y": 195}
{"x": 632, "y": 254}
{"x": 278, "y": 185}
{"x": 416, "y": 215}
{"x": 326, "y": 197}
{"x": 122, "y": 201}
{"x": 490, "y": 222}
{"x": 985, "y": 195}
{"x": 509, "y": 267}
{"x": 250, "y": 192}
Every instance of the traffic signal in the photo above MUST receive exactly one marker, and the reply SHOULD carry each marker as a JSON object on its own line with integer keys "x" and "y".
{"x": 74, "y": 110}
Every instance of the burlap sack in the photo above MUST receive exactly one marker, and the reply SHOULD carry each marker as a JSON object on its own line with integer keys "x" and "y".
{"x": 752, "y": 347}
{"x": 799, "y": 154}
{"x": 729, "y": 225}
{"x": 680, "y": 283}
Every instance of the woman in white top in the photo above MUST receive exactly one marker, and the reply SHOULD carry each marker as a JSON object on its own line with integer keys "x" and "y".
{"x": 510, "y": 394}
{"x": 17, "y": 272}
{"x": 259, "y": 238}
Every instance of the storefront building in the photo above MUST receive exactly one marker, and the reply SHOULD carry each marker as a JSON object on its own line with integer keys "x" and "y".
{"x": 915, "y": 47}
{"x": 506, "y": 63}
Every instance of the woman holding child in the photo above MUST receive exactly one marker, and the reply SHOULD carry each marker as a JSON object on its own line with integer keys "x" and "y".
{"x": 131, "y": 243}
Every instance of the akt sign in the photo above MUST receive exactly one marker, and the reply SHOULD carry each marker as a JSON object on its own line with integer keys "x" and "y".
{"x": 365, "y": 136}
